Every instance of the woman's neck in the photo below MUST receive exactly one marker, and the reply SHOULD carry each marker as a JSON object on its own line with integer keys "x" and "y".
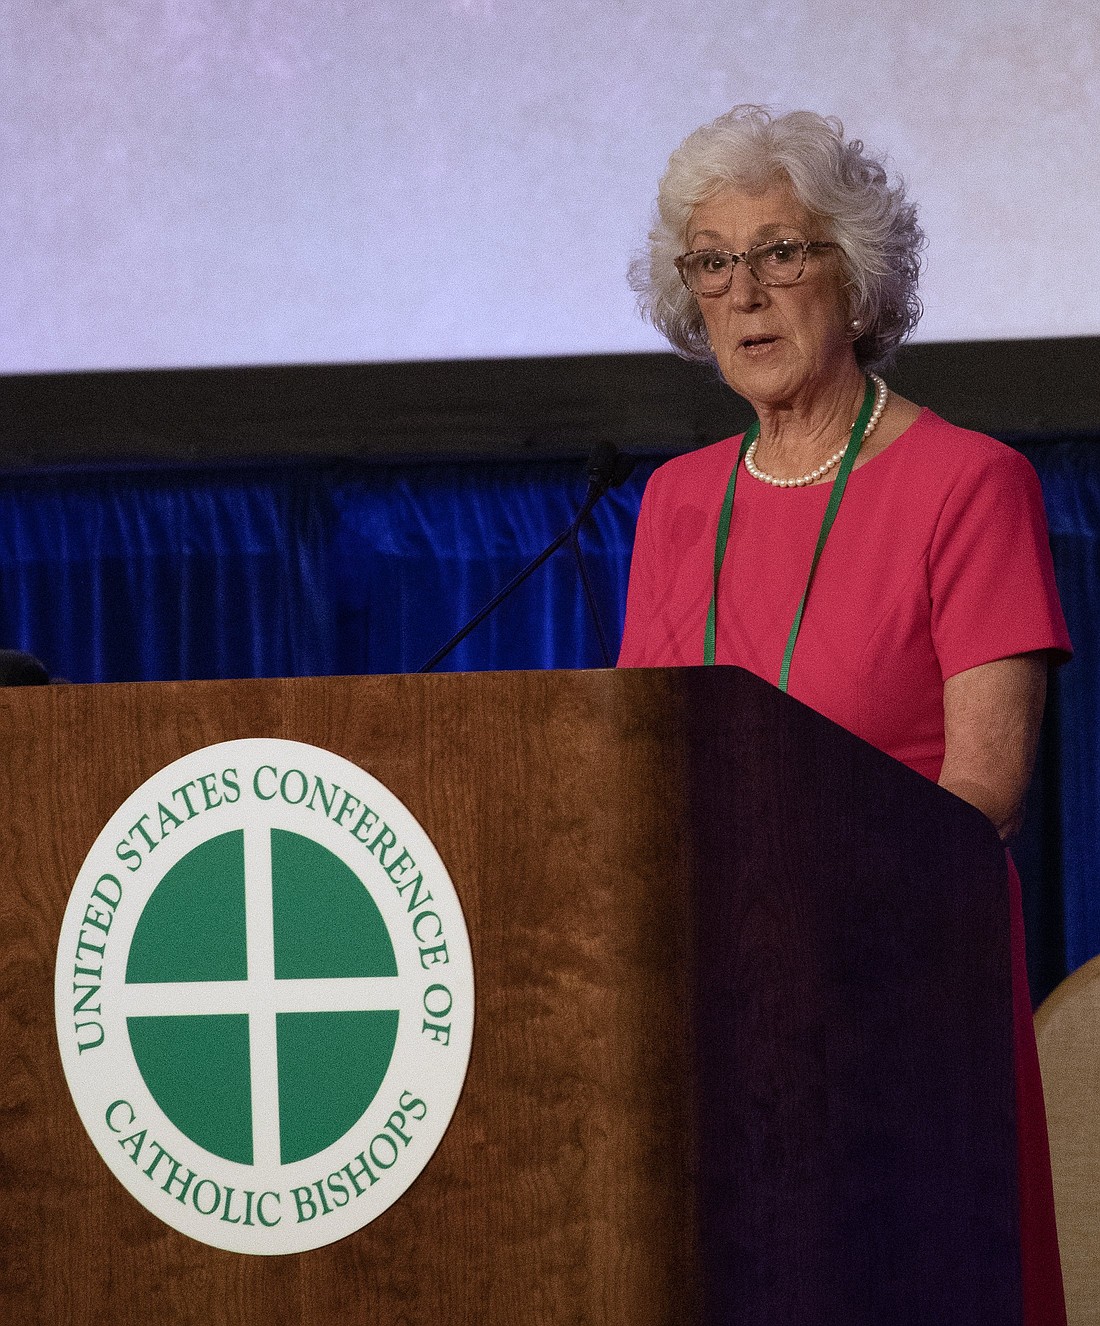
{"x": 798, "y": 435}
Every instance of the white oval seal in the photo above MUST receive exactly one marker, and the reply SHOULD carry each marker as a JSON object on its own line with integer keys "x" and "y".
{"x": 264, "y": 996}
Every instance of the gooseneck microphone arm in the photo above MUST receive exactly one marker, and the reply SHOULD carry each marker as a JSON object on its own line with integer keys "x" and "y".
{"x": 589, "y": 597}
{"x": 607, "y": 468}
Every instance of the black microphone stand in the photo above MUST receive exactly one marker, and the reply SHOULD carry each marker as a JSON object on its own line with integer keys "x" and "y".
{"x": 589, "y": 597}
{"x": 606, "y": 469}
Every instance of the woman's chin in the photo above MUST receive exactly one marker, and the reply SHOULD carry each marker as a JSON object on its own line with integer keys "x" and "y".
{"x": 764, "y": 376}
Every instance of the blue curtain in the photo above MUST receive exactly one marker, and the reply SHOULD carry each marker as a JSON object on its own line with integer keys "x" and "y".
{"x": 120, "y": 573}
{"x": 417, "y": 550}
{"x": 115, "y": 574}
{"x": 1059, "y": 849}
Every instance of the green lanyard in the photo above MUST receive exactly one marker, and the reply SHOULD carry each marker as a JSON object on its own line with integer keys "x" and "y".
{"x": 839, "y": 484}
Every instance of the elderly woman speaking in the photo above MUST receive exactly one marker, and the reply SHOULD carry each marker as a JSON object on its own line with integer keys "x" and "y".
{"x": 887, "y": 568}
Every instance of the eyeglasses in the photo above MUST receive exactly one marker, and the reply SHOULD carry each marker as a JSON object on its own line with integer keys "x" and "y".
{"x": 709, "y": 272}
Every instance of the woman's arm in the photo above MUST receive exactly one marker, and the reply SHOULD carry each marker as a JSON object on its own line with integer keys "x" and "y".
{"x": 991, "y": 728}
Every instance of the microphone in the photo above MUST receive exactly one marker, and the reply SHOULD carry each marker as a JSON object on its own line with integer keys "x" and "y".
{"x": 20, "y": 669}
{"x": 606, "y": 468}
{"x": 609, "y": 468}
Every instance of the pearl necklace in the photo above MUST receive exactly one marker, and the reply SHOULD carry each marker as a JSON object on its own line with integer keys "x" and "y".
{"x": 881, "y": 393}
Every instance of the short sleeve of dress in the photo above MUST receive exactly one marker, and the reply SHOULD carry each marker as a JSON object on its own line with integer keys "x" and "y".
{"x": 991, "y": 577}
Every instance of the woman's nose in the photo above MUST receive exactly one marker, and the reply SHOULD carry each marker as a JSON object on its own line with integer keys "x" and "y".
{"x": 745, "y": 290}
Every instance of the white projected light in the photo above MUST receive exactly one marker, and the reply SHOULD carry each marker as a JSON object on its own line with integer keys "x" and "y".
{"x": 306, "y": 181}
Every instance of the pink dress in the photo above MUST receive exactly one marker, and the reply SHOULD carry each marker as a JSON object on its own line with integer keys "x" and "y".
{"x": 938, "y": 561}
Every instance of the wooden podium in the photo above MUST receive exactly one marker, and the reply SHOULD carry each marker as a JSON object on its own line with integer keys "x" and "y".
{"x": 742, "y": 1049}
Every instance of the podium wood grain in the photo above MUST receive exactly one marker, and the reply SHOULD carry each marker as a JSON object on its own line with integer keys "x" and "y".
{"x": 657, "y": 1017}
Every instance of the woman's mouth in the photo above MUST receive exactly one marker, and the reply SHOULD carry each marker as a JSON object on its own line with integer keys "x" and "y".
{"x": 755, "y": 345}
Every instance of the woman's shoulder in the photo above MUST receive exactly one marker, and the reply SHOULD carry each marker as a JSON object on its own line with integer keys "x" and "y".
{"x": 957, "y": 448}
{"x": 943, "y": 455}
{"x": 695, "y": 472}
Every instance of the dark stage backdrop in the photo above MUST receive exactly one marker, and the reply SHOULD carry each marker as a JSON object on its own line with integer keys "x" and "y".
{"x": 150, "y": 571}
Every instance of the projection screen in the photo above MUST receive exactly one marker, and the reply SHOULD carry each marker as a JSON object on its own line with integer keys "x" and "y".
{"x": 227, "y": 182}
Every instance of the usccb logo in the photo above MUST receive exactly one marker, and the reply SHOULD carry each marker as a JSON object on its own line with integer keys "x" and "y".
{"x": 264, "y": 996}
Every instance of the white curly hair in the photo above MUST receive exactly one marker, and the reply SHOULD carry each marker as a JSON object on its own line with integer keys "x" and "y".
{"x": 865, "y": 212}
